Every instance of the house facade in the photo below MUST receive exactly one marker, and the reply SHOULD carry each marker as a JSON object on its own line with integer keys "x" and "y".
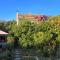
{"x": 32, "y": 17}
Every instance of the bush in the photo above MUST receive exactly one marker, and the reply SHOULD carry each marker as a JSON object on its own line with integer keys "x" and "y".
{"x": 43, "y": 35}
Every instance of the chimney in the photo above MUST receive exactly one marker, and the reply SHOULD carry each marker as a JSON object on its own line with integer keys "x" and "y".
{"x": 17, "y": 17}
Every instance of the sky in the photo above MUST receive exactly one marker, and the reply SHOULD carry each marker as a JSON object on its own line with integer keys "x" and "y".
{"x": 8, "y": 8}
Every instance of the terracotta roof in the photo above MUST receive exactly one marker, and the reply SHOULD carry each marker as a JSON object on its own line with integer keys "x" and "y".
{"x": 2, "y": 32}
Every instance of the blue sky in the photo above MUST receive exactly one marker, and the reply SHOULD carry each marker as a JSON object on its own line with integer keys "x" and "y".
{"x": 8, "y": 8}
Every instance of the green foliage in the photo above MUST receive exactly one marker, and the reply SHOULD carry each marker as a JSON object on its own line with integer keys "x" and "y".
{"x": 10, "y": 40}
{"x": 42, "y": 35}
